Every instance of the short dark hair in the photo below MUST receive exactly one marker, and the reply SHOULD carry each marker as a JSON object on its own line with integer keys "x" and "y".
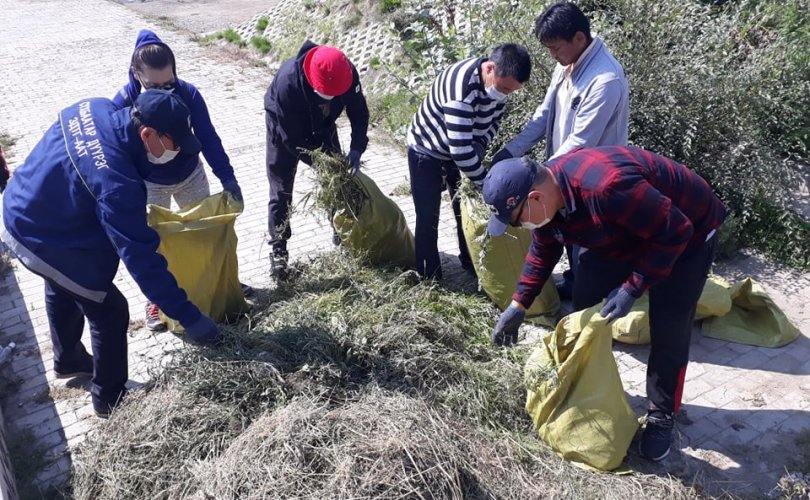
{"x": 154, "y": 55}
{"x": 512, "y": 60}
{"x": 561, "y": 21}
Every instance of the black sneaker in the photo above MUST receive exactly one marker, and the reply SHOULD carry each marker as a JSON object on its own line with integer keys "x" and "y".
{"x": 657, "y": 436}
{"x": 152, "y": 319}
{"x": 82, "y": 368}
{"x": 278, "y": 266}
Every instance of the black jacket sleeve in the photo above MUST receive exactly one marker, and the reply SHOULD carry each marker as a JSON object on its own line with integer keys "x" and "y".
{"x": 357, "y": 111}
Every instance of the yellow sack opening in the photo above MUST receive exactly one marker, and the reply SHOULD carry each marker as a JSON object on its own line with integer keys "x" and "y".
{"x": 199, "y": 243}
{"x": 498, "y": 262}
{"x": 575, "y": 395}
{"x": 379, "y": 233}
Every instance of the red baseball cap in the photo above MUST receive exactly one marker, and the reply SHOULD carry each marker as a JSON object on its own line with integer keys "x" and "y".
{"x": 328, "y": 70}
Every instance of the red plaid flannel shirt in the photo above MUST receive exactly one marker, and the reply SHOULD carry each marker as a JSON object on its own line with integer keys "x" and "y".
{"x": 627, "y": 204}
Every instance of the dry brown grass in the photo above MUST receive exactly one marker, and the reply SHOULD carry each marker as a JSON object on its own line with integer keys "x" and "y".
{"x": 351, "y": 383}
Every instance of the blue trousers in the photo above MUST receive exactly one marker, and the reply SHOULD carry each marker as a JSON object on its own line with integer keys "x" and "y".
{"x": 108, "y": 321}
{"x": 672, "y": 312}
{"x": 429, "y": 177}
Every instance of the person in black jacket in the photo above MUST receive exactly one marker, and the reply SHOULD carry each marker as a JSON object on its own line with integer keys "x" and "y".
{"x": 306, "y": 97}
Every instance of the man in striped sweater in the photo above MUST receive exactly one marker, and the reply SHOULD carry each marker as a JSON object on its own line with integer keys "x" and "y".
{"x": 449, "y": 135}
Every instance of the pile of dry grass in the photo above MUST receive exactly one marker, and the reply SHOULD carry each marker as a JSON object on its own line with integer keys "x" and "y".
{"x": 352, "y": 383}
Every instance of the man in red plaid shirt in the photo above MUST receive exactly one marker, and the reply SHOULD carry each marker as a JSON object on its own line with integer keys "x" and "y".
{"x": 644, "y": 222}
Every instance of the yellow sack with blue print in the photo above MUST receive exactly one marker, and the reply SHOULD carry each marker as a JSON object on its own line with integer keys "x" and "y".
{"x": 498, "y": 262}
{"x": 199, "y": 243}
{"x": 575, "y": 396}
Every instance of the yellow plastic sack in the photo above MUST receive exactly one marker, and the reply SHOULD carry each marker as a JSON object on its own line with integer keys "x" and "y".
{"x": 199, "y": 242}
{"x": 715, "y": 300}
{"x": 754, "y": 319}
{"x": 499, "y": 261}
{"x": 575, "y": 396}
{"x": 635, "y": 327}
{"x": 379, "y": 233}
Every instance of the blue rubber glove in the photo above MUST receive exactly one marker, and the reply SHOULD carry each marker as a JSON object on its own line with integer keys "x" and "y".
{"x": 506, "y": 330}
{"x": 354, "y": 162}
{"x": 233, "y": 187}
{"x": 203, "y": 332}
{"x": 501, "y": 155}
{"x": 619, "y": 303}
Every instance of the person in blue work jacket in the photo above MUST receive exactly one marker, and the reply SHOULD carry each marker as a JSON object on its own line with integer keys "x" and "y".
{"x": 307, "y": 95}
{"x": 153, "y": 67}
{"x": 75, "y": 207}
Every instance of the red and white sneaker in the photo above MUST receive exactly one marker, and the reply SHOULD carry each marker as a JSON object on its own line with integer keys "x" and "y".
{"x": 153, "y": 321}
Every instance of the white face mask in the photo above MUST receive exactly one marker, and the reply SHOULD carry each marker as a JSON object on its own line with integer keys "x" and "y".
{"x": 324, "y": 97}
{"x": 495, "y": 94}
{"x": 167, "y": 156}
{"x": 531, "y": 226}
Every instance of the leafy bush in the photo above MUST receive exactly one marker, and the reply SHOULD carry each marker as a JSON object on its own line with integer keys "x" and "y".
{"x": 261, "y": 24}
{"x": 261, "y": 44}
{"x": 723, "y": 89}
{"x": 229, "y": 35}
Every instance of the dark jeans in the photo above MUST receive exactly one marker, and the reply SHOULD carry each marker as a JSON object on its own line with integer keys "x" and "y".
{"x": 282, "y": 166}
{"x": 108, "y": 337}
{"x": 427, "y": 184}
{"x": 672, "y": 313}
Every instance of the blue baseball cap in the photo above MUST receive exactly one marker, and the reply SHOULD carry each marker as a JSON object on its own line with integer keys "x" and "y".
{"x": 165, "y": 112}
{"x": 506, "y": 186}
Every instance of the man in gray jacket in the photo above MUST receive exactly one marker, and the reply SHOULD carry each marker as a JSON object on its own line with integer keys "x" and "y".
{"x": 586, "y": 104}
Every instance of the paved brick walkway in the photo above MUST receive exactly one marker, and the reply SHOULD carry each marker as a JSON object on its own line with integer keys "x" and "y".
{"x": 747, "y": 404}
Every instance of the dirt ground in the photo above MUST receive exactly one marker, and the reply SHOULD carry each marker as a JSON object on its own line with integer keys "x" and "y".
{"x": 200, "y": 17}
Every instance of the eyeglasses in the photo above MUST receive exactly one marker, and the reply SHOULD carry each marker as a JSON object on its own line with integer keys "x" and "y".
{"x": 154, "y": 86}
{"x": 516, "y": 222}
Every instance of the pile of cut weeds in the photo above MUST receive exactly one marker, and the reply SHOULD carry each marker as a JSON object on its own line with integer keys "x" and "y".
{"x": 350, "y": 383}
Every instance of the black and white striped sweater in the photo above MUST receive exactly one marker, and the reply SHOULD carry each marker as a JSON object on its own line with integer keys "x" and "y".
{"x": 455, "y": 114}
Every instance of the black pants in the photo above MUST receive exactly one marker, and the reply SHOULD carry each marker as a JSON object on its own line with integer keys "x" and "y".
{"x": 427, "y": 184}
{"x": 108, "y": 337}
{"x": 672, "y": 313}
{"x": 282, "y": 166}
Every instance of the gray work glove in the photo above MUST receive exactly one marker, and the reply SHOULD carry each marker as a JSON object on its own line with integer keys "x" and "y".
{"x": 619, "y": 303}
{"x": 506, "y": 330}
{"x": 233, "y": 187}
{"x": 354, "y": 162}
{"x": 501, "y": 155}
{"x": 203, "y": 332}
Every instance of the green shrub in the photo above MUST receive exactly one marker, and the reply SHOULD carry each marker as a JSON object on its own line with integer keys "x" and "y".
{"x": 723, "y": 89}
{"x": 261, "y": 25}
{"x": 261, "y": 43}
{"x": 229, "y": 35}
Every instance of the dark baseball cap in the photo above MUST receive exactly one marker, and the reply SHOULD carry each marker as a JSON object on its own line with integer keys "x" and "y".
{"x": 506, "y": 186}
{"x": 165, "y": 112}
